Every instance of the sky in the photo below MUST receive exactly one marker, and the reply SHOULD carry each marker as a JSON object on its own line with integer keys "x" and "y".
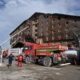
{"x": 14, "y": 12}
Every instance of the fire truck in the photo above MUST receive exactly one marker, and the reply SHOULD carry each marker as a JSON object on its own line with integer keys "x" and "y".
{"x": 46, "y": 54}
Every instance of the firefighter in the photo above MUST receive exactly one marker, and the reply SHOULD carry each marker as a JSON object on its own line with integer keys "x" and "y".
{"x": 20, "y": 59}
{"x": 59, "y": 58}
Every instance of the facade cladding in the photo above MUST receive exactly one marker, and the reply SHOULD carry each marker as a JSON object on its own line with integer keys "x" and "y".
{"x": 49, "y": 28}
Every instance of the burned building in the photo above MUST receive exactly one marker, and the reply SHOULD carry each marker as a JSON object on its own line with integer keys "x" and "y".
{"x": 48, "y": 27}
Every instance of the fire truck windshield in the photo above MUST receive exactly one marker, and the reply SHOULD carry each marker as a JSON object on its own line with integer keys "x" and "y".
{"x": 27, "y": 48}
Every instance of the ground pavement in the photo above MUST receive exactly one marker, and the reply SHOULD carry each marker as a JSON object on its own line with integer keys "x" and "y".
{"x": 38, "y": 72}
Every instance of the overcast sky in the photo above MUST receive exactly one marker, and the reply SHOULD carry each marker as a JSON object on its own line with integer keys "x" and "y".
{"x": 14, "y": 12}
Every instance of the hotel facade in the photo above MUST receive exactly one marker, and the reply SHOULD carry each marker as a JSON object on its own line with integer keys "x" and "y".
{"x": 47, "y": 28}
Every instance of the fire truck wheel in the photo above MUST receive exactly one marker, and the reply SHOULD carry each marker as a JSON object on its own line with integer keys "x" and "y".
{"x": 47, "y": 61}
{"x": 27, "y": 60}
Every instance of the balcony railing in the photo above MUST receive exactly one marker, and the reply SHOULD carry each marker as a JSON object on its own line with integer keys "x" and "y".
{"x": 17, "y": 38}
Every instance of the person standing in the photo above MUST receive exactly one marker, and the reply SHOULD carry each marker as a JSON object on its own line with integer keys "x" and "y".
{"x": 20, "y": 59}
{"x": 4, "y": 56}
{"x": 10, "y": 59}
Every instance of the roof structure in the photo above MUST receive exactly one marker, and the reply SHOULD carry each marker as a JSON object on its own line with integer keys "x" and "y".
{"x": 35, "y": 15}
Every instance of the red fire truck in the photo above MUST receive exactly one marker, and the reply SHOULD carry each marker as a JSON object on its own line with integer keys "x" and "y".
{"x": 46, "y": 54}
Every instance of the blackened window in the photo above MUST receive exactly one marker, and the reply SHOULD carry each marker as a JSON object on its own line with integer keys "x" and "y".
{"x": 36, "y": 25}
{"x": 36, "y": 30}
{"x": 59, "y": 18}
{"x": 67, "y": 22}
{"x": 75, "y": 20}
{"x": 35, "y": 34}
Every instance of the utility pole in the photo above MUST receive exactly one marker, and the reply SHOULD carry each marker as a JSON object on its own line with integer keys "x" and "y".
{"x": 0, "y": 55}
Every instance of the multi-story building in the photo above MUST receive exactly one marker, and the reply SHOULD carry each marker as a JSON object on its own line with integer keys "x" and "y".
{"x": 49, "y": 28}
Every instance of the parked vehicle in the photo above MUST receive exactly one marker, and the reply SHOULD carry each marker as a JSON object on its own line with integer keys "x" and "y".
{"x": 15, "y": 52}
{"x": 73, "y": 56}
{"x": 46, "y": 54}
